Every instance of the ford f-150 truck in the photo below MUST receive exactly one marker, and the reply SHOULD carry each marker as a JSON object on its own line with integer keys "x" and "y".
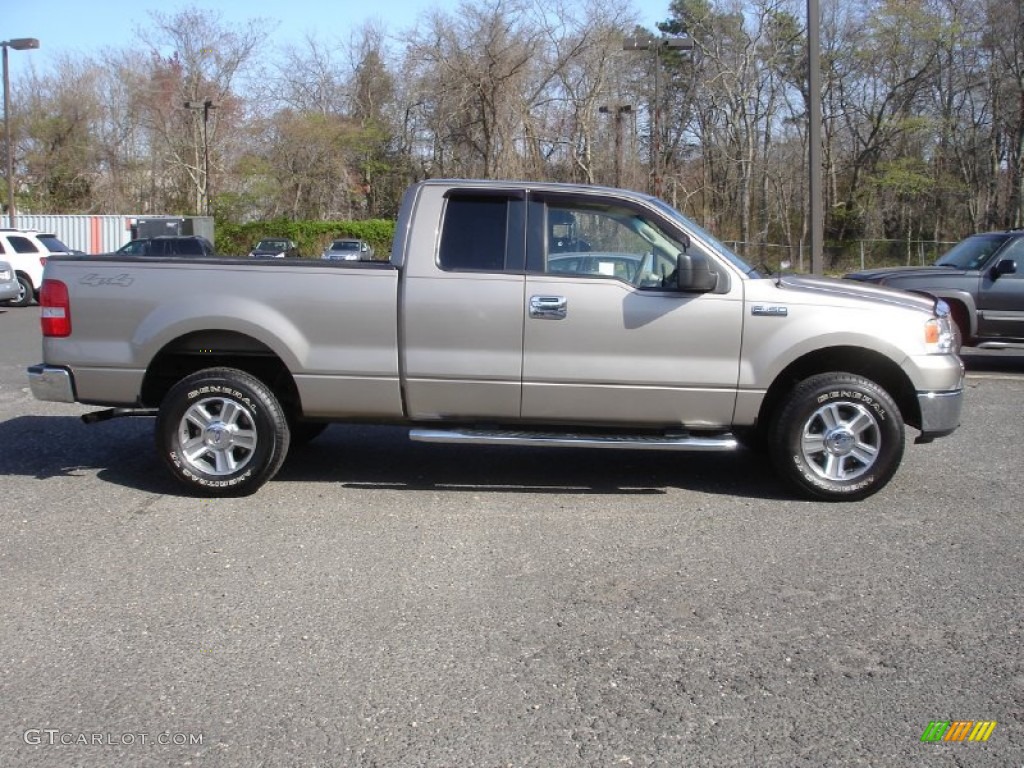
{"x": 509, "y": 313}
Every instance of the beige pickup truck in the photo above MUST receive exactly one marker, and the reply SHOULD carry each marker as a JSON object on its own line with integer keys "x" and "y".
{"x": 509, "y": 313}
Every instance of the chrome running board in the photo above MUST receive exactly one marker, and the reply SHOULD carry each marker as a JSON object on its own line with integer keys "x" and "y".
{"x": 679, "y": 442}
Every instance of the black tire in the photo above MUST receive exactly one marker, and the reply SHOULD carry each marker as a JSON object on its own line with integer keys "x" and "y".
{"x": 25, "y": 295}
{"x": 222, "y": 432}
{"x": 837, "y": 437}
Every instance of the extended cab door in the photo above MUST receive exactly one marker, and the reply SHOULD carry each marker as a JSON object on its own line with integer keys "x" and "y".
{"x": 607, "y": 339}
{"x": 462, "y": 304}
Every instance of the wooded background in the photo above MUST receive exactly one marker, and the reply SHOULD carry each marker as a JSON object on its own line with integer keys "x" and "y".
{"x": 923, "y": 116}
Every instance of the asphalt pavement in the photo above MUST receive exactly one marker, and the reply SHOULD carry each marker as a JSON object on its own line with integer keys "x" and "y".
{"x": 388, "y": 603}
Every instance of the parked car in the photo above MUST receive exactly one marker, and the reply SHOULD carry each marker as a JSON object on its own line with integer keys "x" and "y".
{"x": 9, "y": 285}
{"x": 981, "y": 279}
{"x": 168, "y": 245}
{"x": 348, "y": 249}
{"x": 274, "y": 248}
{"x": 26, "y": 251}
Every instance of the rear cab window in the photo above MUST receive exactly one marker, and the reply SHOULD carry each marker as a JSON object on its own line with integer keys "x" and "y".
{"x": 482, "y": 231}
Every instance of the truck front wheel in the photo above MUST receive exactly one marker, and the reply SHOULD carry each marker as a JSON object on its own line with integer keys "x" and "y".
{"x": 222, "y": 432}
{"x": 838, "y": 437}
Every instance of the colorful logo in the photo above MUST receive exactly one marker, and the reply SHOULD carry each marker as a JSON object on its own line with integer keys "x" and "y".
{"x": 958, "y": 730}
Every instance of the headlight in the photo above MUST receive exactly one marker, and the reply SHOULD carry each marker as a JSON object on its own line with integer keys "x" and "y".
{"x": 5, "y": 274}
{"x": 939, "y": 337}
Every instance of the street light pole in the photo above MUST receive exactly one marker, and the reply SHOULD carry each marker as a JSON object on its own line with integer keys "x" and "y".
{"x": 815, "y": 194}
{"x": 206, "y": 106}
{"x": 656, "y": 44}
{"x": 18, "y": 44}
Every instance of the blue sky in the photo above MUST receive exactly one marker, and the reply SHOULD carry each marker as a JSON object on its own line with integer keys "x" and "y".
{"x": 77, "y": 27}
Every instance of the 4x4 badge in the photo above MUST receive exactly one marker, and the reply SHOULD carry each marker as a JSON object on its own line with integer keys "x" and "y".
{"x": 94, "y": 280}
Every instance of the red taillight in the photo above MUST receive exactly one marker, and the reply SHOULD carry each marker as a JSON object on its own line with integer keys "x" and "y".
{"x": 56, "y": 308}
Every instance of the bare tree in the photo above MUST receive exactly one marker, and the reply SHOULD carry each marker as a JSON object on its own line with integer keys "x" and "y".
{"x": 197, "y": 59}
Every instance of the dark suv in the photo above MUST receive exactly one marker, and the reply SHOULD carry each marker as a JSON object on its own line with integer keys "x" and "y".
{"x": 982, "y": 280}
{"x": 168, "y": 245}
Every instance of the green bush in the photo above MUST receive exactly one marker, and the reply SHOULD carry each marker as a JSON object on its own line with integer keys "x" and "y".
{"x": 311, "y": 236}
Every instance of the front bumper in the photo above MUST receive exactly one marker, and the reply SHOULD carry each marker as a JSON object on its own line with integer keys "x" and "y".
{"x": 50, "y": 383}
{"x": 940, "y": 413}
{"x": 939, "y": 384}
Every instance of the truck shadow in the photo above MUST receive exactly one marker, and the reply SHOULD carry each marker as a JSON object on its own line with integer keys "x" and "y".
{"x": 121, "y": 452}
{"x": 384, "y": 458}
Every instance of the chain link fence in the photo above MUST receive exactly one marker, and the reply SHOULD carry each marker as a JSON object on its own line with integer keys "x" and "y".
{"x": 849, "y": 257}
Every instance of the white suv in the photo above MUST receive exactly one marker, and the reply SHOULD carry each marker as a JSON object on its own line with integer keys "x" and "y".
{"x": 26, "y": 251}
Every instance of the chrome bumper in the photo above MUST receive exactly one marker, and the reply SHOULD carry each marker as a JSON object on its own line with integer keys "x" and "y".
{"x": 53, "y": 384}
{"x": 940, "y": 413}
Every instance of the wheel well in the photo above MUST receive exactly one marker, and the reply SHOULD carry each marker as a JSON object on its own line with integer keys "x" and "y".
{"x": 213, "y": 349}
{"x": 861, "y": 362}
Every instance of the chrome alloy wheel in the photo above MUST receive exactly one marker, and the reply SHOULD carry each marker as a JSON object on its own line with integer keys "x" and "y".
{"x": 217, "y": 436}
{"x": 841, "y": 441}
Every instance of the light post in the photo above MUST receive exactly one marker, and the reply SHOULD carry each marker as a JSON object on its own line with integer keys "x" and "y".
{"x": 18, "y": 44}
{"x": 618, "y": 111}
{"x": 206, "y": 106}
{"x": 656, "y": 44}
{"x": 816, "y": 206}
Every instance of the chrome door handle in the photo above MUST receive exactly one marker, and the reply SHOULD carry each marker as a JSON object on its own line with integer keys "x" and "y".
{"x": 548, "y": 307}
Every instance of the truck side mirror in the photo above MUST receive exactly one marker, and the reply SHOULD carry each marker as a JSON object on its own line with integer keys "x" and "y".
{"x": 1004, "y": 267}
{"x": 695, "y": 274}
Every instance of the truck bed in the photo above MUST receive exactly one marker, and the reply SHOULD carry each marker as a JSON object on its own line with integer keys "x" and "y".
{"x": 333, "y": 323}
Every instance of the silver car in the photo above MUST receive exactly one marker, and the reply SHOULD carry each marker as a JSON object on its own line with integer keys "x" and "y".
{"x": 9, "y": 285}
{"x": 348, "y": 249}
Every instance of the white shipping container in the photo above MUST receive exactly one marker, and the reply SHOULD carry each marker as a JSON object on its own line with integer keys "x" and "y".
{"x": 101, "y": 233}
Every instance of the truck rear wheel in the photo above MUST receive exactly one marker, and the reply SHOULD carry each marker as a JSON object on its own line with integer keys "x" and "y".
{"x": 222, "y": 432}
{"x": 838, "y": 437}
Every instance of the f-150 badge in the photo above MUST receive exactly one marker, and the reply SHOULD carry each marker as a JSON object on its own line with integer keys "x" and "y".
{"x": 771, "y": 311}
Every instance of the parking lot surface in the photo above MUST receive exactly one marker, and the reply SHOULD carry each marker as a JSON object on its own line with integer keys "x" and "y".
{"x": 386, "y": 603}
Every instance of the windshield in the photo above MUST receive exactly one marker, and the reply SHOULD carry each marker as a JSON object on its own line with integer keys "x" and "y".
{"x": 973, "y": 252}
{"x": 706, "y": 237}
{"x": 272, "y": 245}
{"x": 133, "y": 247}
{"x": 345, "y": 245}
